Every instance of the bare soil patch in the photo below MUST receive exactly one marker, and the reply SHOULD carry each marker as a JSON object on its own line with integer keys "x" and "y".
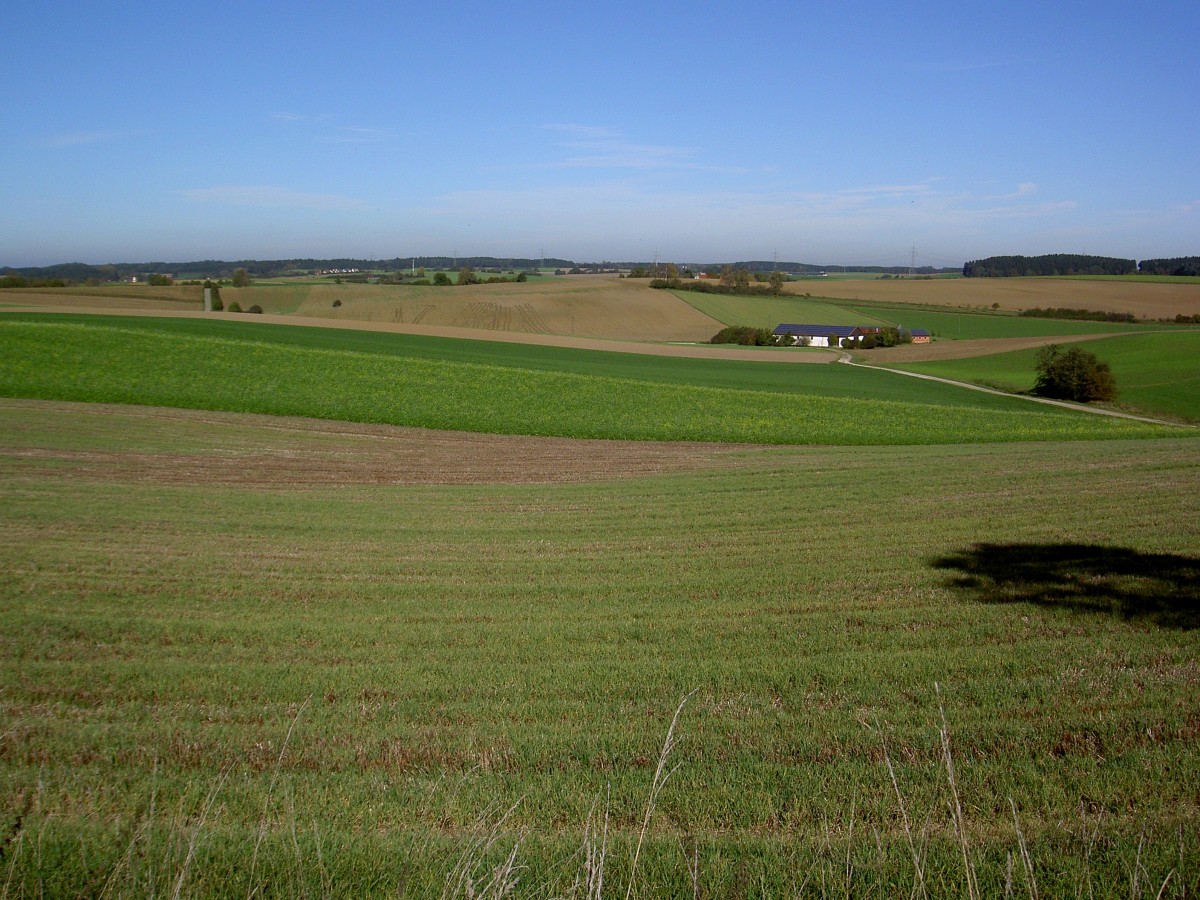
{"x": 1143, "y": 299}
{"x": 187, "y": 447}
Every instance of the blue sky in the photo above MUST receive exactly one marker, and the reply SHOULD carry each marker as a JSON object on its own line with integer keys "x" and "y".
{"x": 832, "y": 133}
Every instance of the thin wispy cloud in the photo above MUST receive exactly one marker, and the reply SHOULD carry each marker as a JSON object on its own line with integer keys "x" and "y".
{"x": 601, "y": 147}
{"x": 874, "y": 194}
{"x": 322, "y": 129}
{"x": 271, "y": 198}
{"x": 633, "y": 207}
{"x": 349, "y": 135}
{"x": 1023, "y": 189}
{"x": 595, "y": 132}
{"x": 1029, "y": 211}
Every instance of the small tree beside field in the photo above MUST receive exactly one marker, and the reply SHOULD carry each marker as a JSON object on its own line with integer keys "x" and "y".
{"x": 1073, "y": 374}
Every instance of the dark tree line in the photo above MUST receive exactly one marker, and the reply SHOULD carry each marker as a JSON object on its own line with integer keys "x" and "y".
{"x": 761, "y": 265}
{"x": 746, "y": 335}
{"x": 79, "y": 273}
{"x": 1180, "y": 265}
{"x": 1063, "y": 312}
{"x": 733, "y": 281}
{"x": 1050, "y": 264}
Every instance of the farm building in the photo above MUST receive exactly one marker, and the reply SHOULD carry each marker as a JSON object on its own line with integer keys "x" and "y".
{"x": 833, "y": 335}
{"x": 819, "y": 335}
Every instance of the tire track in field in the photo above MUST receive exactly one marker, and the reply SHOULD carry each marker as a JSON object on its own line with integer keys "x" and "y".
{"x": 487, "y": 316}
{"x": 471, "y": 316}
{"x": 531, "y": 321}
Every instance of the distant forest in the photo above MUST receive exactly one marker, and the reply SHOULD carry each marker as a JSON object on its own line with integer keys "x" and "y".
{"x": 81, "y": 273}
{"x": 1181, "y": 265}
{"x": 1051, "y": 264}
{"x": 78, "y": 273}
{"x": 992, "y": 267}
{"x": 796, "y": 268}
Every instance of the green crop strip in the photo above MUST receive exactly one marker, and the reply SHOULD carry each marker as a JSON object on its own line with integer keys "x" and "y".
{"x": 100, "y": 363}
{"x": 814, "y": 380}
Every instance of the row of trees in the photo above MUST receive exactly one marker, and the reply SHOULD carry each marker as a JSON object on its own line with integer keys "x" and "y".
{"x": 21, "y": 281}
{"x": 1181, "y": 265}
{"x": 732, "y": 281}
{"x": 1090, "y": 315}
{"x": 1050, "y": 264}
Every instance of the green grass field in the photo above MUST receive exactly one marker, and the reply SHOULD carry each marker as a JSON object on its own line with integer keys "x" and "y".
{"x": 177, "y": 365}
{"x": 959, "y": 654}
{"x": 1156, "y": 374}
{"x": 951, "y": 325}
{"x": 814, "y": 380}
{"x": 366, "y": 689}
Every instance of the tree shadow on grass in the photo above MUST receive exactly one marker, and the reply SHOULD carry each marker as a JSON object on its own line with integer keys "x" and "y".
{"x": 1163, "y": 588}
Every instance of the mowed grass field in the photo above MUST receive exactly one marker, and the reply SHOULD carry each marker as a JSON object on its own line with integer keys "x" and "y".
{"x": 922, "y": 670}
{"x": 1157, "y": 374}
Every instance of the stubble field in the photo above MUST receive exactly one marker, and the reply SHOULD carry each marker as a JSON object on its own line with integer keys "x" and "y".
{"x": 603, "y": 307}
{"x": 1148, "y": 300}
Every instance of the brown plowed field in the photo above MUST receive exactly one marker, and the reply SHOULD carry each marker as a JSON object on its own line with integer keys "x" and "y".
{"x": 591, "y": 306}
{"x": 93, "y": 299}
{"x": 175, "y": 446}
{"x": 1143, "y": 299}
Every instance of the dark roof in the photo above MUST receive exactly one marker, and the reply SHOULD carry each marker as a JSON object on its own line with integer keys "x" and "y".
{"x": 919, "y": 332}
{"x": 841, "y": 331}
